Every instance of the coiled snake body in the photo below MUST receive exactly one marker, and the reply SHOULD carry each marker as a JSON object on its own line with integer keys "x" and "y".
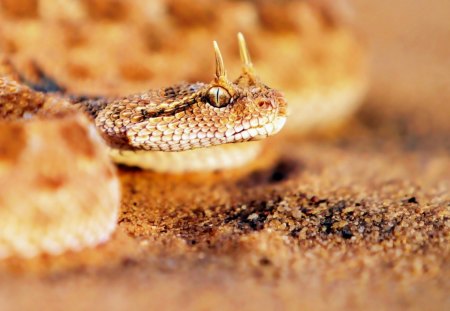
{"x": 70, "y": 215}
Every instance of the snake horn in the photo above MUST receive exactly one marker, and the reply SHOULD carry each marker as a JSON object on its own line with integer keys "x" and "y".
{"x": 220, "y": 68}
{"x": 245, "y": 55}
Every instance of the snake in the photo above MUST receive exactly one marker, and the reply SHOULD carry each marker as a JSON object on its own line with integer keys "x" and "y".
{"x": 49, "y": 207}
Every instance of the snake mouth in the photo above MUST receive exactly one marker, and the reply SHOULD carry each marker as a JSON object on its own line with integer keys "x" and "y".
{"x": 279, "y": 123}
{"x": 274, "y": 127}
{"x": 266, "y": 130}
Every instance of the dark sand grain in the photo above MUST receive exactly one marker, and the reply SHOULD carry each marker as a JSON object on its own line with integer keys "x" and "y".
{"x": 357, "y": 221}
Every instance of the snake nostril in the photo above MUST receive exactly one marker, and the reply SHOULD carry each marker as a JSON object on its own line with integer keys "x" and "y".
{"x": 266, "y": 104}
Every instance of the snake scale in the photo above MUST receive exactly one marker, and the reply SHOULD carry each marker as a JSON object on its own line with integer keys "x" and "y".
{"x": 62, "y": 211}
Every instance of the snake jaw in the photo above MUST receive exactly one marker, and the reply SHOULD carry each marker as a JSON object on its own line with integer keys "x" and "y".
{"x": 279, "y": 123}
{"x": 261, "y": 132}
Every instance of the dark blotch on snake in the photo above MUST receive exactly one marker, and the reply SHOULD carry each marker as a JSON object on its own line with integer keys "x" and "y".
{"x": 76, "y": 138}
{"x": 10, "y": 149}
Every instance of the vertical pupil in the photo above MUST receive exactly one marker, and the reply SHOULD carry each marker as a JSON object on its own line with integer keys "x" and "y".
{"x": 217, "y": 96}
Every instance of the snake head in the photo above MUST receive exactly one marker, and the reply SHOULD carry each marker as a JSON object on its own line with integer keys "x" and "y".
{"x": 250, "y": 108}
{"x": 196, "y": 115}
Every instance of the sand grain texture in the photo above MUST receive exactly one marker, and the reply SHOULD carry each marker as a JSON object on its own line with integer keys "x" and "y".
{"x": 356, "y": 221}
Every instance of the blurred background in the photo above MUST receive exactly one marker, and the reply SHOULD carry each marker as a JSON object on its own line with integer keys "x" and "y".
{"x": 410, "y": 67}
{"x": 379, "y": 68}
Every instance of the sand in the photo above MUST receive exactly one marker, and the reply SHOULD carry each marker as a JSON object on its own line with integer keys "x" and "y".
{"x": 358, "y": 219}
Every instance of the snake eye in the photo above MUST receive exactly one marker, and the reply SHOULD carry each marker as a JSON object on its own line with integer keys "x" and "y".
{"x": 218, "y": 96}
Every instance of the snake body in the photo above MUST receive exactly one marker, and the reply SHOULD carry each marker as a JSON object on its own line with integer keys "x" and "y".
{"x": 304, "y": 47}
{"x": 177, "y": 118}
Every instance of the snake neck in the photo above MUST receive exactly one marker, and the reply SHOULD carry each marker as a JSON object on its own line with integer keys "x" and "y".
{"x": 90, "y": 105}
{"x": 43, "y": 83}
